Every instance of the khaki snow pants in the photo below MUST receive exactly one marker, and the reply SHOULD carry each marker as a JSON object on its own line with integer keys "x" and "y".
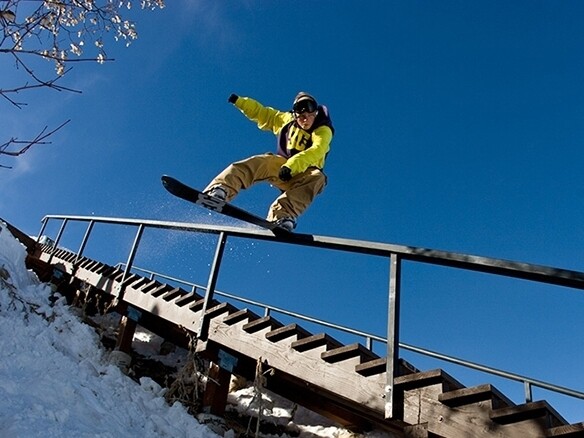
{"x": 297, "y": 194}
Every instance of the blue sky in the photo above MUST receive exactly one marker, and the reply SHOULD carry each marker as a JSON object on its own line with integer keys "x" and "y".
{"x": 458, "y": 127}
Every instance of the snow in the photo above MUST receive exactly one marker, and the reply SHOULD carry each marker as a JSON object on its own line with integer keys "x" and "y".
{"x": 56, "y": 379}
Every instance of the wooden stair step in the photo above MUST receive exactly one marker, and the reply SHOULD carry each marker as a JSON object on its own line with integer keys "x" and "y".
{"x": 567, "y": 431}
{"x": 100, "y": 268}
{"x": 84, "y": 263}
{"x": 132, "y": 278}
{"x": 286, "y": 332}
{"x": 63, "y": 253}
{"x": 92, "y": 265}
{"x": 348, "y": 352}
{"x": 174, "y": 293}
{"x": 153, "y": 284}
{"x": 315, "y": 341}
{"x": 220, "y": 309}
{"x": 198, "y": 305}
{"x": 261, "y": 323}
{"x": 141, "y": 283}
{"x": 379, "y": 366}
{"x": 96, "y": 265}
{"x": 116, "y": 274}
{"x": 528, "y": 411}
{"x": 372, "y": 367}
{"x": 239, "y": 316}
{"x": 466, "y": 396}
{"x": 56, "y": 251}
{"x": 187, "y": 299}
{"x": 108, "y": 271}
{"x": 104, "y": 269}
{"x": 427, "y": 378}
{"x": 160, "y": 290}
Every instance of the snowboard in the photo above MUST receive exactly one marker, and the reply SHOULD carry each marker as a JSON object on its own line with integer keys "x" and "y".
{"x": 195, "y": 196}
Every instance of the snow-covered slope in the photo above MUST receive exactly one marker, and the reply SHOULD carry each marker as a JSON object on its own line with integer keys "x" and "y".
{"x": 56, "y": 381}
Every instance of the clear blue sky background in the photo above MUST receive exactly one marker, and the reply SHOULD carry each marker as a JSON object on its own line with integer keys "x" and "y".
{"x": 459, "y": 127}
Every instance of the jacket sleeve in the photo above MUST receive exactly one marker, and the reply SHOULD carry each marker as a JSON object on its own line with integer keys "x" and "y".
{"x": 267, "y": 118}
{"x": 315, "y": 155}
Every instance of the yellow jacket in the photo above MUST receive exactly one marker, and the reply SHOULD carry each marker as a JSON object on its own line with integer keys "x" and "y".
{"x": 303, "y": 149}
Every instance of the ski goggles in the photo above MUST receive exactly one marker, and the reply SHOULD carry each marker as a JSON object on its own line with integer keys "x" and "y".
{"x": 304, "y": 106}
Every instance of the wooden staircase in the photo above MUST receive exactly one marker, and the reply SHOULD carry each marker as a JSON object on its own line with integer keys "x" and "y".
{"x": 342, "y": 382}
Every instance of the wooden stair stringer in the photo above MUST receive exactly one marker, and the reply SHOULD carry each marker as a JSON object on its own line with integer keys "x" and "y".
{"x": 474, "y": 420}
{"x": 160, "y": 300}
{"x": 65, "y": 261}
{"x": 480, "y": 412}
{"x": 311, "y": 369}
{"x": 567, "y": 431}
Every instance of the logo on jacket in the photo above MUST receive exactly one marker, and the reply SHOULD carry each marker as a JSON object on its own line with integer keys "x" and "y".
{"x": 298, "y": 139}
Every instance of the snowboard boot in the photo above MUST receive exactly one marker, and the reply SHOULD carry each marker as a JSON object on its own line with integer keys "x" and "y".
{"x": 286, "y": 223}
{"x": 217, "y": 192}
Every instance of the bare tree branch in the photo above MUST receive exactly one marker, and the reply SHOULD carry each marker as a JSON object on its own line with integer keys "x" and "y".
{"x": 25, "y": 145}
{"x": 59, "y": 31}
{"x": 39, "y": 83}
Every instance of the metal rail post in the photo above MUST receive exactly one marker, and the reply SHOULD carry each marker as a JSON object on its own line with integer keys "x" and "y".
{"x": 60, "y": 233}
{"x": 392, "y": 333}
{"x": 203, "y": 329}
{"x": 528, "y": 392}
{"x": 44, "y": 223}
{"x": 84, "y": 242}
{"x": 58, "y": 239}
{"x": 130, "y": 261}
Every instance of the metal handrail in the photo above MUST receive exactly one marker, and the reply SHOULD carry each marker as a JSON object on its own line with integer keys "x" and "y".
{"x": 526, "y": 271}
{"x": 394, "y": 253}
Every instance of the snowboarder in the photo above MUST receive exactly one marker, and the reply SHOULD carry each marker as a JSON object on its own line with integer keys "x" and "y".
{"x": 303, "y": 135}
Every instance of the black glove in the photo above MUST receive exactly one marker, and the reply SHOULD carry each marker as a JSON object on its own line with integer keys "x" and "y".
{"x": 285, "y": 173}
{"x": 233, "y": 98}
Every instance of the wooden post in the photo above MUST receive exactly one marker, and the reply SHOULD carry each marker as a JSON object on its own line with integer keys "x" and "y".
{"x": 126, "y": 334}
{"x": 216, "y": 390}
